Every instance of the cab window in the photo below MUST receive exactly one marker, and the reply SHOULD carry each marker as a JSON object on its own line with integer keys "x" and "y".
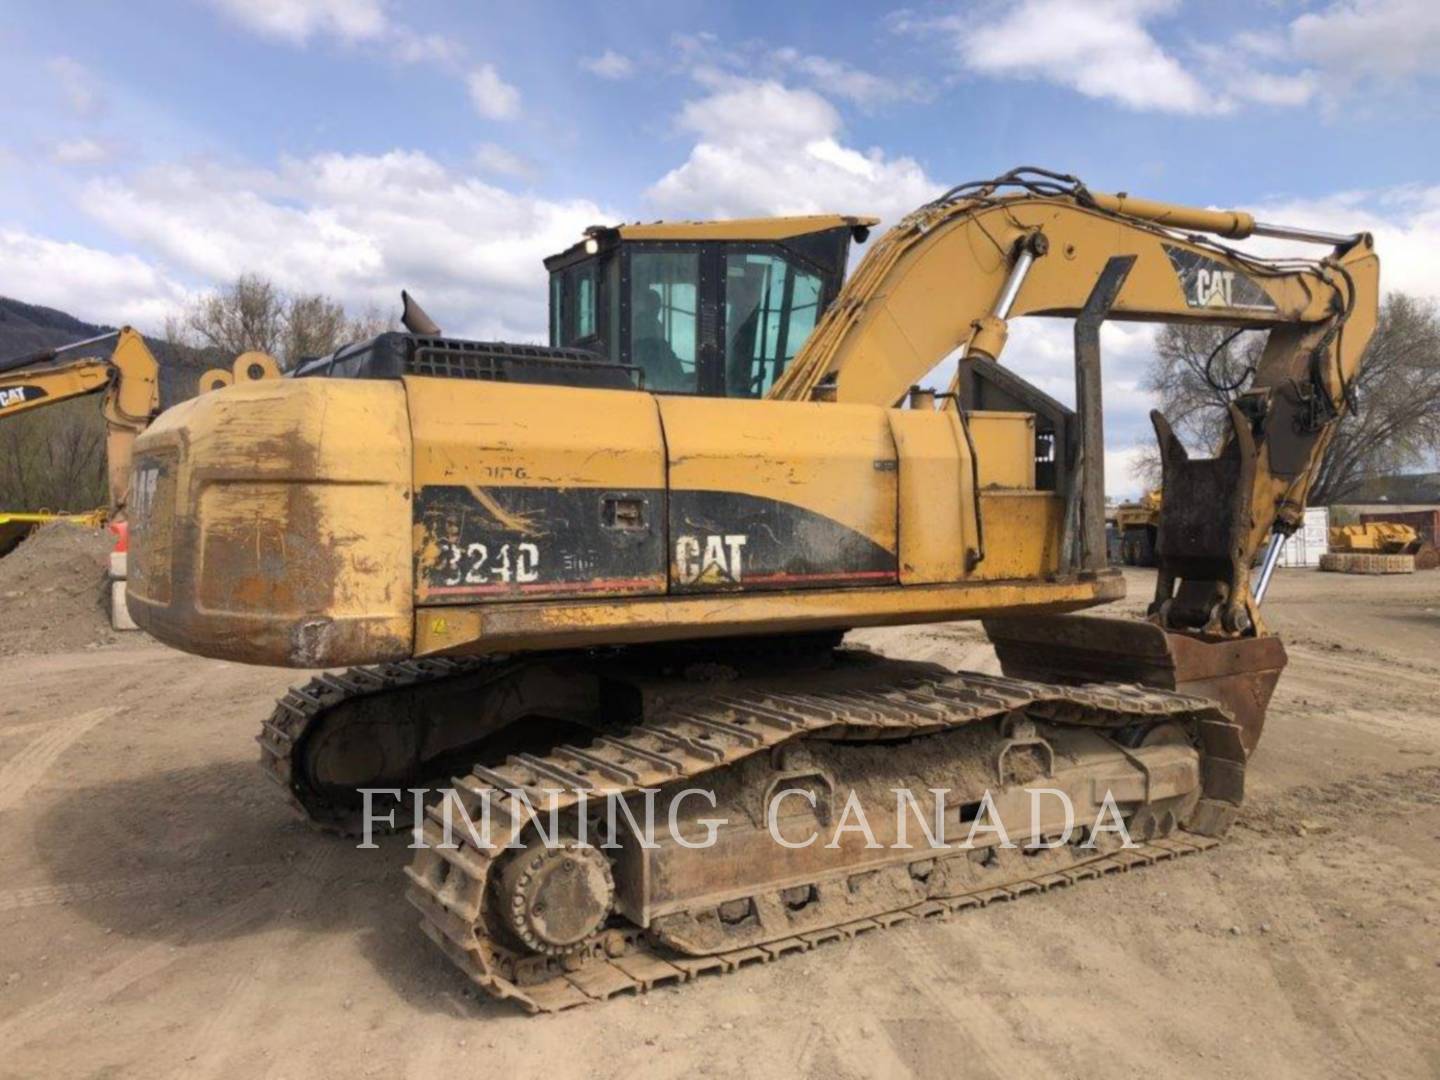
{"x": 573, "y": 303}
{"x": 665, "y": 288}
{"x": 557, "y": 302}
{"x": 584, "y": 303}
{"x": 770, "y": 308}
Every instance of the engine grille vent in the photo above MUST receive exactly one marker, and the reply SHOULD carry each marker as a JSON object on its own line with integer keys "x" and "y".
{"x": 448, "y": 358}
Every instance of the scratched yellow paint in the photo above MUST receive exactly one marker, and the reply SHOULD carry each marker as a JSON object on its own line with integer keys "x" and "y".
{"x": 511, "y": 626}
{"x": 490, "y": 434}
{"x": 287, "y": 523}
{"x": 838, "y": 461}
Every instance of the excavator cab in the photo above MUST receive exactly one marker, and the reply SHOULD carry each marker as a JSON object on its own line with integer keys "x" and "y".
{"x": 715, "y": 309}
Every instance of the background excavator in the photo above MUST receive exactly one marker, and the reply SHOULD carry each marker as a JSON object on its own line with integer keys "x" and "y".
{"x": 128, "y": 380}
{"x": 580, "y": 572}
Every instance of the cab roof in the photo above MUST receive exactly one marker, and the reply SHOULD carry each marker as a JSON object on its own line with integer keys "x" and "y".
{"x": 766, "y": 228}
{"x": 760, "y": 230}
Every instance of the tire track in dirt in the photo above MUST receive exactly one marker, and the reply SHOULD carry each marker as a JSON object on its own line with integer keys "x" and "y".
{"x": 82, "y": 994}
{"x": 1336, "y": 662}
{"x": 151, "y": 884}
{"x": 28, "y": 767}
{"x": 952, "y": 993}
{"x": 252, "y": 985}
{"x": 16, "y": 731}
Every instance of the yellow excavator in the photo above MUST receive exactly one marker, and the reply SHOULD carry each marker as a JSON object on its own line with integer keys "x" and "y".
{"x": 128, "y": 378}
{"x": 617, "y": 570}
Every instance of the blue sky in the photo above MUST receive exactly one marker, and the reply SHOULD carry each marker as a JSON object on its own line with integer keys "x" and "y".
{"x": 151, "y": 149}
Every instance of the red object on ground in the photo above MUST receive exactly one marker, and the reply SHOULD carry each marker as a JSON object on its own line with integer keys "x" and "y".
{"x": 121, "y": 529}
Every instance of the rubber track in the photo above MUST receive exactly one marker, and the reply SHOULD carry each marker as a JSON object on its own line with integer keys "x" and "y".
{"x": 449, "y": 886}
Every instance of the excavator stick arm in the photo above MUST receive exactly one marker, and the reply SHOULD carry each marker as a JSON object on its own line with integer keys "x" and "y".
{"x": 26, "y": 389}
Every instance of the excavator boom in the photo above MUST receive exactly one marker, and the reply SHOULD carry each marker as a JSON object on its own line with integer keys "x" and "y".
{"x": 993, "y": 253}
{"x": 1036, "y": 243}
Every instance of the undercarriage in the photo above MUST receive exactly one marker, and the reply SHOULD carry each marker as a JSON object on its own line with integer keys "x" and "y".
{"x": 597, "y": 823}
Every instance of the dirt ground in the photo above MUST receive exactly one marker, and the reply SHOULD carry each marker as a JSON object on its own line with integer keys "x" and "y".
{"x": 161, "y": 914}
{"x": 51, "y": 595}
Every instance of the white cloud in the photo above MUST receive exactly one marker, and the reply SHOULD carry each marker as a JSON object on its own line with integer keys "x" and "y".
{"x": 1125, "y": 477}
{"x": 492, "y": 96}
{"x": 1232, "y": 66}
{"x": 358, "y": 227}
{"x": 765, "y": 148}
{"x": 79, "y": 151}
{"x": 498, "y": 161}
{"x": 1384, "y": 40}
{"x": 609, "y": 65}
{"x": 94, "y": 285}
{"x": 1100, "y": 48}
{"x": 839, "y": 79}
{"x": 352, "y": 22}
{"x": 297, "y": 21}
{"x": 412, "y": 47}
{"x": 1271, "y": 89}
{"x": 1105, "y": 49}
{"x": 75, "y": 83}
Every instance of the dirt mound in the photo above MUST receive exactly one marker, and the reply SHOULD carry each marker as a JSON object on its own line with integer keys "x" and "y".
{"x": 53, "y": 591}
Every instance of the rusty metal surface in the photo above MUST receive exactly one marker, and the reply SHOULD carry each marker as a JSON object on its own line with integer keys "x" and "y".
{"x": 1238, "y": 673}
{"x": 1204, "y": 531}
{"x": 271, "y": 524}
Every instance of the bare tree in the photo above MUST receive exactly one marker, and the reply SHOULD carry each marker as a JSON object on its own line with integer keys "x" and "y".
{"x": 254, "y": 313}
{"x": 54, "y": 458}
{"x": 1398, "y": 393}
{"x": 246, "y": 315}
{"x": 314, "y": 325}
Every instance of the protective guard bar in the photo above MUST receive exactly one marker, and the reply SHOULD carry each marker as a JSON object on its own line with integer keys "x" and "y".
{"x": 1084, "y": 536}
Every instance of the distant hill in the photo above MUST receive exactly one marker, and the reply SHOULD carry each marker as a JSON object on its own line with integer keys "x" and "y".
{"x": 30, "y": 328}
{"x": 27, "y": 328}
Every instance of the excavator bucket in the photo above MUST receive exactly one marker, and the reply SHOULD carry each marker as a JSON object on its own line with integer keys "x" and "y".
{"x": 1205, "y": 518}
{"x": 1238, "y": 673}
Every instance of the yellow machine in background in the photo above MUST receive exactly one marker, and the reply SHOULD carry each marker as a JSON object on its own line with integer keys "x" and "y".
{"x": 628, "y": 568}
{"x": 1378, "y": 547}
{"x": 1380, "y": 537}
{"x": 129, "y": 380}
{"x": 15, "y": 527}
{"x": 1139, "y": 527}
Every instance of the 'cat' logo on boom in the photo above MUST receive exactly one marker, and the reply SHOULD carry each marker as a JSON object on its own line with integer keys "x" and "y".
{"x": 1214, "y": 288}
{"x": 18, "y": 395}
